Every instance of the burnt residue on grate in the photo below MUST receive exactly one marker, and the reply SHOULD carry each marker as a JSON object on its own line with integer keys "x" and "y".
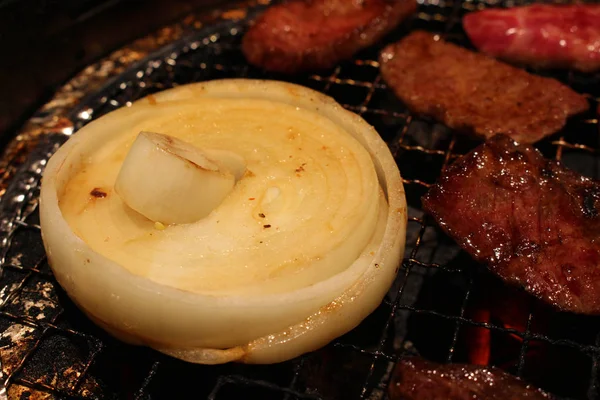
{"x": 442, "y": 305}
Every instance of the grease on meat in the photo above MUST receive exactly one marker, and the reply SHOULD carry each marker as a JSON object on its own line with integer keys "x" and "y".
{"x": 474, "y": 93}
{"x": 317, "y": 34}
{"x": 565, "y": 36}
{"x": 415, "y": 379}
{"x": 534, "y": 223}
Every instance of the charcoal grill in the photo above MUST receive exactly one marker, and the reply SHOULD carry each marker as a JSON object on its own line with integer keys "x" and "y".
{"x": 50, "y": 350}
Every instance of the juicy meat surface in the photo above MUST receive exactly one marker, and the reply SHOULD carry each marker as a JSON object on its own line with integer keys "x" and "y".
{"x": 539, "y": 35}
{"x": 317, "y": 34}
{"x": 416, "y": 379}
{"x": 474, "y": 93}
{"x": 532, "y": 221}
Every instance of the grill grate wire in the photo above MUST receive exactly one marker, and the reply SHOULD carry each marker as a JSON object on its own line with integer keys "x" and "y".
{"x": 40, "y": 324}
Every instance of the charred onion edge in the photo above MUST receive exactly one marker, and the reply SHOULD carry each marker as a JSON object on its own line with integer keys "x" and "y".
{"x": 101, "y": 287}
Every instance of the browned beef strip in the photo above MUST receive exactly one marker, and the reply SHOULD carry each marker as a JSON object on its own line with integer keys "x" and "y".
{"x": 317, "y": 34}
{"x": 474, "y": 93}
{"x": 417, "y": 379}
{"x": 532, "y": 221}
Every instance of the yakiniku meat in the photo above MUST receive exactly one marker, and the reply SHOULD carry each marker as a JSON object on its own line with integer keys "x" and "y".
{"x": 534, "y": 223}
{"x": 539, "y": 35}
{"x": 416, "y": 378}
{"x": 474, "y": 93}
{"x": 317, "y": 34}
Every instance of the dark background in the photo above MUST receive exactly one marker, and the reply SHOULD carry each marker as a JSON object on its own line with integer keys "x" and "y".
{"x": 45, "y": 42}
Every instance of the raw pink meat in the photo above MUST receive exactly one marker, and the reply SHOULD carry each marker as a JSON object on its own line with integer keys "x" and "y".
{"x": 561, "y": 36}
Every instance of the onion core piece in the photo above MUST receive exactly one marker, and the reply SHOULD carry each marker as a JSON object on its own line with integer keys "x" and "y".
{"x": 170, "y": 181}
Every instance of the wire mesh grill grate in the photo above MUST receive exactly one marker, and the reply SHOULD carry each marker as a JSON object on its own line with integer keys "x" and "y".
{"x": 50, "y": 350}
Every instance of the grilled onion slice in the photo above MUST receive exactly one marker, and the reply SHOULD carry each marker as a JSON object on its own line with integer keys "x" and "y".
{"x": 302, "y": 249}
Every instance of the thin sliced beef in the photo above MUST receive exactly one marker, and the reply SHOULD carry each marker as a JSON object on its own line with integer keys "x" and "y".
{"x": 317, "y": 34}
{"x": 417, "y": 379}
{"x": 533, "y": 222}
{"x": 563, "y": 36}
{"x": 474, "y": 93}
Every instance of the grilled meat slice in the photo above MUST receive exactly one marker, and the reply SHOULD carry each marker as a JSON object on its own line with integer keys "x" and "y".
{"x": 564, "y": 36}
{"x": 416, "y": 378}
{"x": 533, "y": 222}
{"x": 317, "y": 34}
{"x": 474, "y": 93}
